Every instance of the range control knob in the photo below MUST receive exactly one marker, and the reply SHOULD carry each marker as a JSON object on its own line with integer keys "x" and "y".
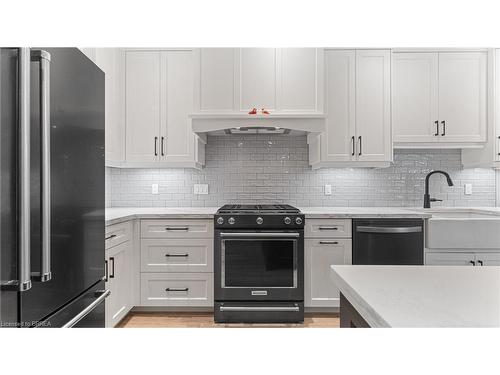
{"x": 298, "y": 220}
{"x": 287, "y": 220}
{"x": 220, "y": 220}
{"x": 259, "y": 220}
{"x": 231, "y": 220}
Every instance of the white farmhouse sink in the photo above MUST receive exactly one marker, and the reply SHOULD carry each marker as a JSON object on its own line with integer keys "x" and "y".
{"x": 462, "y": 228}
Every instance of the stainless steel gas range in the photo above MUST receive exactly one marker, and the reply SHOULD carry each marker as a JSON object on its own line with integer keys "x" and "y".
{"x": 259, "y": 264}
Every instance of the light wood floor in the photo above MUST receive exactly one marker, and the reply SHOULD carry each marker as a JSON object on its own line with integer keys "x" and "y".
{"x": 206, "y": 320}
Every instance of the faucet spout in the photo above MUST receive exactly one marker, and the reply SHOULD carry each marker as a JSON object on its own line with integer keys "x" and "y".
{"x": 427, "y": 197}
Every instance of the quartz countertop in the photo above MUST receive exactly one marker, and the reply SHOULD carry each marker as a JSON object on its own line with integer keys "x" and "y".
{"x": 115, "y": 215}
{"x": 422, "y": 296}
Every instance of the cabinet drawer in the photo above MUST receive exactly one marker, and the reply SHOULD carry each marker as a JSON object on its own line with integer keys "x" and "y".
{"x": 177, "y": 255}
{"x": 177, "y": 289}
{"x": 328, "y": 228}
{"x": 118, "y": 233}
{"x": 173, "y": 228}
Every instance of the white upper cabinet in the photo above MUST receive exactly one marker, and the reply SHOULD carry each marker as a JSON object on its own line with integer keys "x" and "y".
{"x": 257, "y": 70}
{"x": 337, "y": 143}
{"x": 415, "y": 97}
{"x": 373, "y": 105}
{"x": 358, "y": 102}
{"x": 462, "y": 96}
{"x": 215, "y": 76}
{"x": 159, "y": 98}
{"x": 177, "y": 139}
{"x": 142, "y": 103}
{"x": 440, "y": 99}
{"x": 300, "y": 80}
{"x": 110, "y": 60}
{"x": 281, "y": 80}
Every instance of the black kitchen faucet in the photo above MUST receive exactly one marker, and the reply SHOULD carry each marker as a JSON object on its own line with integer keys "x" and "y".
{"x": 427, "y": 197}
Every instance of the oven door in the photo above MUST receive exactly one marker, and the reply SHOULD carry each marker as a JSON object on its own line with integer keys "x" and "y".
{"x": 259, "y": 265}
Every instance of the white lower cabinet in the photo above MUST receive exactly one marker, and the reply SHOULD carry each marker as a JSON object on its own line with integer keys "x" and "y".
{"x": 177, "y": 262}
{"x": 177, "y": 289}
{"x": 119, "y": 280}
{"x": 462, "y": 258}
{"x": 320, "y": 254}
{"x": 327, "y": 242}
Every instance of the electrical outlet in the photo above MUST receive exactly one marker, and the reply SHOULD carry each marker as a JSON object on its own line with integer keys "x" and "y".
{"x": 468, "y": 189}
{"x": 154, "y": 189}
{"x": 201, "y": 189}
{"x": 328, "y": 189}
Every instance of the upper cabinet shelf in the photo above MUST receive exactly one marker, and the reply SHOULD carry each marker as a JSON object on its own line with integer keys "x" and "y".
{"x": 281, "y": 80}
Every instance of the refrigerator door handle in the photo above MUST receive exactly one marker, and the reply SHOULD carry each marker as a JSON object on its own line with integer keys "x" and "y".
{"x": 82, "y": 314}
{"x": 24, "y": 282}
{"x": 43, "y": 57}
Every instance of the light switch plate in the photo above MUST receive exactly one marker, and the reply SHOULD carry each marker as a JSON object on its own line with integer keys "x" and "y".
{"x": 201, "y": 189}
{"x": 328, "y": 189}
{"x": 468, "y": 189}
{"x": 154, "y": 189}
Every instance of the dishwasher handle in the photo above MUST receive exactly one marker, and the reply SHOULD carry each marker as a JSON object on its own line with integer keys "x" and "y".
{"x": 372, "y": 229}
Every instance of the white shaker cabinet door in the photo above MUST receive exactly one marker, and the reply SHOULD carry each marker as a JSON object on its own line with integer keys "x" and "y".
{"x": 215, "y": 80}
{"x": 449, "y": 259}
{"x": 257, "y": 72}
{"x": 142, "y": 99}
{"x": 415, "y": 97}
{"x": 301, "y": 75}
{"x": 119, "y": 283}
{"x": 488, "y": 259}
{"x": 373, "y": 105}
{"x": 320, "y": 255}
{"x": 462, "y": 96}
{"x": 177, "y": 138}
{"x": 337, "y": 143}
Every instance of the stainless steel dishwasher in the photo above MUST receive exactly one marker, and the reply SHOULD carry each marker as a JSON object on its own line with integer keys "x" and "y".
{"x": 388, "y": 241}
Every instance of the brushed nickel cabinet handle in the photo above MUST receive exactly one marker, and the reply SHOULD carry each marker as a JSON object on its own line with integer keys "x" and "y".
{"x": 110, "y": 237}
{"x": 437, "y": 128}
{"x": 328, "y": 242}
{"x": 444, "y": 128}
{"x": 177, "y": 228}
{"x": 177, "y": 255}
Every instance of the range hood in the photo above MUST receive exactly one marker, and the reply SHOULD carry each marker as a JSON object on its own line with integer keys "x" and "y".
{"x": 237, "y": 123}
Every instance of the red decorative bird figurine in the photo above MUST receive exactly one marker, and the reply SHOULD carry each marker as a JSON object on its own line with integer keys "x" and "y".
{"x": 264, "y": 111}
{"x": 253, "y": 111}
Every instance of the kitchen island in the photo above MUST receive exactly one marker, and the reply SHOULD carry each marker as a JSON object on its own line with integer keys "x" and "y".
{"x": 418, "y": 296}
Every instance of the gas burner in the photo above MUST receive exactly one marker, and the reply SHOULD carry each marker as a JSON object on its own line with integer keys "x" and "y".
{"x": 258, "y": 208}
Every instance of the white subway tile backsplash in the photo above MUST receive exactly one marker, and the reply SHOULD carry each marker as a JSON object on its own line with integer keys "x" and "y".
{"x": 251, "y": 169}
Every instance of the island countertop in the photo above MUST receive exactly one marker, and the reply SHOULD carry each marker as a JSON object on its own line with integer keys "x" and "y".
{"x": 422, "y": 296}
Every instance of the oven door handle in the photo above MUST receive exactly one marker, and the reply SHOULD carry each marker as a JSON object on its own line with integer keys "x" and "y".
{"x": 259, "y": 308}
{"x": 366, "y": 229}
{"x": 261, "y": 235}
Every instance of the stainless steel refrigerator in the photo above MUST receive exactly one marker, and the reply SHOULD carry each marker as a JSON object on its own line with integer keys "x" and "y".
{"x": 52, "y": 189}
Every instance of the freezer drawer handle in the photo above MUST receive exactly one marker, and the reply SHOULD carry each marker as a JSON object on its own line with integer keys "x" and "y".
{"x": 177, "y": 290}
{"x": 365, "y": 229}
{"x": 82, "y": 314}
{"x": 43, "y": 57}
{"x": 177, "y": 228}
{"x": 259, "y": 308}
{"x": 177, "y": 255}
{"x": 261, "y": 235}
